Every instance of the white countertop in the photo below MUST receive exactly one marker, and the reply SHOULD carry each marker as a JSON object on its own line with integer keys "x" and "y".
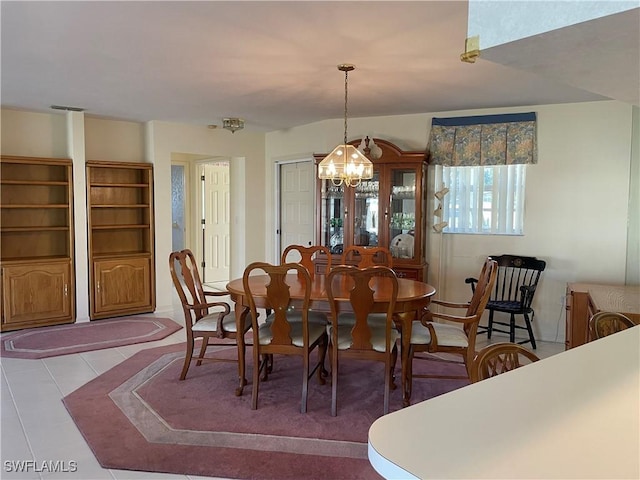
{"x": 574, "y": 415}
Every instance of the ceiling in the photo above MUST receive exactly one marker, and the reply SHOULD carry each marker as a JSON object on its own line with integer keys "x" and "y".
{"x": 274, "y": 63}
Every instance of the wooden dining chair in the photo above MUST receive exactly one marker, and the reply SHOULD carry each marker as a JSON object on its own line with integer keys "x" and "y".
{"x": 499, "y": 358}
{"x": 204, "y": 318}
{"x": 287, "y": 331}
{"x": 458, "y": 336}
{"x": 361, "y": 338}
{"x": 307, "y": 256}
{"x": 513, "y": 294}
{"x": 364, "y": 257}
{"x": 603, "y": 324}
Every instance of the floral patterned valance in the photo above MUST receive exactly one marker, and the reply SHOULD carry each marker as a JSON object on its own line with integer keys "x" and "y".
{"x": 483, "y": 140}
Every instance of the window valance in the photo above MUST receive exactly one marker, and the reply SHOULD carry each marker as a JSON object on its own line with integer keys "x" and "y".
{"x": 483, "y": 140}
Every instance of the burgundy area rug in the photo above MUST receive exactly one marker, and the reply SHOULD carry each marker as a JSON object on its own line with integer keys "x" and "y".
{"x": 83, "y": 337}
{"x": 139, "y": 416}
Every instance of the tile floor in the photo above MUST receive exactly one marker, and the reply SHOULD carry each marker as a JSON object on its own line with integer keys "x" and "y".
{"x": 35, "y": 424}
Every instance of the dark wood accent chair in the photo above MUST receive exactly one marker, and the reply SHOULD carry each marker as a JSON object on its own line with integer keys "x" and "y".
{"x": 602, "y": 324}
{"x": 203, "y": 318}
{"x": 458, "y": 337}
{"x": 307, "y": 255}
{"x": 358, "y": 337}
{"x": 367, "y": 256}
{"x": 499, "y": 358}
{"x": 515, "y": 287}
{"x": 287, "y": 331}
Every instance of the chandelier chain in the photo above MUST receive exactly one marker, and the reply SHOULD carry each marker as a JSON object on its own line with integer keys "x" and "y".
{"x": 346, "y": 75}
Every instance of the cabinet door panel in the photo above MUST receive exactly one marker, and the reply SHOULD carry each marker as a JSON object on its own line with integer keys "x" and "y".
{"x": 36, "y": 293}
{"x": 122, "y": 285}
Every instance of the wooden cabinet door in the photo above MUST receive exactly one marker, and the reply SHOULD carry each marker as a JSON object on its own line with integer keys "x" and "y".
{"x": 123, "y": 286}
{"x": 36, "y": 294}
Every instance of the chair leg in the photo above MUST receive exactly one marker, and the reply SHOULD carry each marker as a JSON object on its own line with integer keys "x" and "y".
{"x": 242, "y": 350}
{"x": 305, "y": 382}
{"x": 408, "y": 379}
{"x": 512, "y": 328}
{"x": 490, "y": 326}
{"x": 392, "y": 368}
{"x": 322, "y": 352}
{"x": 256, "y": 379}
{"x": 334, "y": 380}
{"x": 530, "y": 330}
{"x": 187, "y": 358}
{"x": 387, "y": 385}
{"x": 203, "y": 349}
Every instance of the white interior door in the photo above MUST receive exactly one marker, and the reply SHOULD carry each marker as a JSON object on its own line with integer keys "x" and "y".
{"x": 297, "y": 191}
{"x": 216, "y": 236}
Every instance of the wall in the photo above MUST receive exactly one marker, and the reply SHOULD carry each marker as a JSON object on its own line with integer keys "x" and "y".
{"x": 247, "y": 164}
{"x": 74, "y": 135}
{"x": 576, "y": 198}
{"x": 577, "y": 201}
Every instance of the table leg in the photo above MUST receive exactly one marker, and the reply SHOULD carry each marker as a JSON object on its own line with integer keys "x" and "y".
{"x": 406, "y": 321}
{"x": 241, "y": 315}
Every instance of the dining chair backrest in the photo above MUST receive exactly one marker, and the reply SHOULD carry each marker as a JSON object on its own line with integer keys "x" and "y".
{"x": 448, "y": 337}
{"x": 499, "y": 358}
{"x": 287, "y": 331}
{"x": 307, "y": 256}
{"x": 186, "y": 280}
{"x": 207, "y": 314}
{"x": 366, "y": 337}
{"x": 603, "y": 324}
{"x": 361, "y": 299}
{"x": 278, "y": 297}
{"x": 365, "y": 257}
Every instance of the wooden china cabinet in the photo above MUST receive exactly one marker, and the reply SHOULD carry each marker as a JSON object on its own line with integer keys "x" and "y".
{"x": 121, "y": 238}
{"x": 387, "y": 210}
{"x": 36, "y": 242}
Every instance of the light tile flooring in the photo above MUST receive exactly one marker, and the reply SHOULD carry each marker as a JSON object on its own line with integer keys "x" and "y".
{"x": 35, "y": 425}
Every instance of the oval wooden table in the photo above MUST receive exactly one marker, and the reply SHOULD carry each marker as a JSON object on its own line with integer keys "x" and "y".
{"x": 413, "y": 296}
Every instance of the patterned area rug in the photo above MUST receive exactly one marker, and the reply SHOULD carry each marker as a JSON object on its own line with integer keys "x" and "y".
{"x": 139, "y": 416}
{"x": 83, "y": 337}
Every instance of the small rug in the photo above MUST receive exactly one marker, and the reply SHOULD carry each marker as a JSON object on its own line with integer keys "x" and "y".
{"x": 139, "y": 416}
{"x": 58, "y": 340}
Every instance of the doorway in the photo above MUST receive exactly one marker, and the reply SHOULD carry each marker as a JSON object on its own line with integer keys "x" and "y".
{"x": 297, "y": 194}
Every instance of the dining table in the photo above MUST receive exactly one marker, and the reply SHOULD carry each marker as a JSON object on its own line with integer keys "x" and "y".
{"x": 413, "y": 298}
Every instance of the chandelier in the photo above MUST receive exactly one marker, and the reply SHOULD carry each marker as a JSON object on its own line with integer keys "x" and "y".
{"x": 345, "y": 164}
{"x": 232, "y": 124}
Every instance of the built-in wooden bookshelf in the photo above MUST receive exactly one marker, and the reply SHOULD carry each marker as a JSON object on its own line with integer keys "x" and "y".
{"x": 121, "y": 238}
{"x": 36, "y": 242}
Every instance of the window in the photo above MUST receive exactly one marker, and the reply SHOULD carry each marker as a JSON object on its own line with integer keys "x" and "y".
{"x": 483, "y": 199}
{"x": 480, "y": 164}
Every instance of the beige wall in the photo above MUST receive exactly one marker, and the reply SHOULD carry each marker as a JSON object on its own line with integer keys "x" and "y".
{"x": 79, "y": 137}
{"x": 577, "y": 203}
{"x": 577, "y": 198}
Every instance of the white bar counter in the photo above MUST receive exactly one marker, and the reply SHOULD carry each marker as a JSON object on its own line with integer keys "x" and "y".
{"x": 575, "y": 415}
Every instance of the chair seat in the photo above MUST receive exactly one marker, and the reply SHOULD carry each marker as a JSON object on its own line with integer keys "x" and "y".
{"x": 378, "y": 337}
{"x": 448, "y": 335}
{"x": 209, "y": 323}
{"x": 505, "y": 306}
{"x": 316, "y": 330}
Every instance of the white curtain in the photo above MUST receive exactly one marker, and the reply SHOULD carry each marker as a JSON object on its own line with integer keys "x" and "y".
{"x": 483, "y": 199}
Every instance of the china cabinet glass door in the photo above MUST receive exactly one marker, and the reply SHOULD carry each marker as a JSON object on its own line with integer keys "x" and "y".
{"x": 366, "y": 212}
{"x": 332, "y": 211}
{"x": 402, "y": 213}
